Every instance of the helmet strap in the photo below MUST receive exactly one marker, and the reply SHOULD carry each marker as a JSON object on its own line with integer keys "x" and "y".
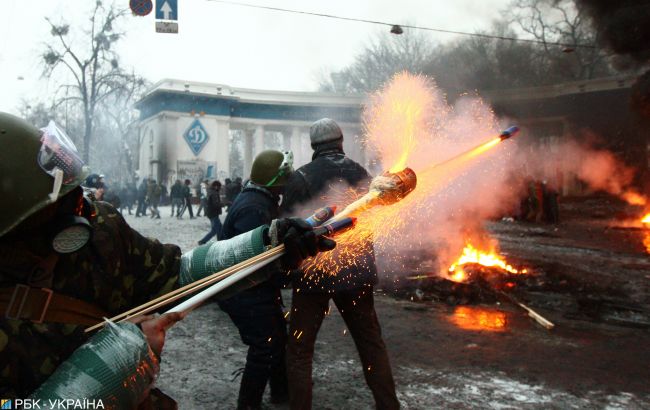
{"x": 58, "y": 181}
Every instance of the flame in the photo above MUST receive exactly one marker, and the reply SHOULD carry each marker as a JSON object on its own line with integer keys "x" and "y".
{"x": 634, "y": 198}
{"x": 407, "y": 123}
{"x": 646, "y": 219}
{"x": 473, "y": 318}
{"x": 646, "y": 235}
{"x": 473, "y": 255}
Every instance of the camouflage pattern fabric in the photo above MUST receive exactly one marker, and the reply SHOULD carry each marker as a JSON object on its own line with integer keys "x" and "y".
{"x": 118, "y": 270}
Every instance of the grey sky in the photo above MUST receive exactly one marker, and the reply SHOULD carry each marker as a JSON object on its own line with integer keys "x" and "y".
{"x": 220, "y": 43}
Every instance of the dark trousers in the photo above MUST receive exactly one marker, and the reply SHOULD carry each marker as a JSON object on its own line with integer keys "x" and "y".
{"x": 358, "y": 311}
{"x": 187, "y": 205}
{"x": 215, "y": 224}
{"x": 257, "y": 313}
{"x": 142, "y": 207}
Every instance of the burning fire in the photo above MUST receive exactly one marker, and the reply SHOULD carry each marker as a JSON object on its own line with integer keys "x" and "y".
{"x": 634, "y": 198}
{"x": 646, "y": 219}
{"x": 472, "y": 255}
{"x": 646, "y": 236}
{"x": 408, "y": 123}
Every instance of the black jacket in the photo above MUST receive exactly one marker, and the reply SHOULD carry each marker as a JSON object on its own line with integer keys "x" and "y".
{"x": 213, "y": 205}
{"x": 254, "y": 206}
{"x": 307, "y": 184}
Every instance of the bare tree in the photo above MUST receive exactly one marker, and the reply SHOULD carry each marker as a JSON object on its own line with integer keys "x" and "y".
{"x": 117, "y": 116}
{"x": 93, "y": 67}
{"x": 381, "y": 58}
{"x": 561, "y": 21}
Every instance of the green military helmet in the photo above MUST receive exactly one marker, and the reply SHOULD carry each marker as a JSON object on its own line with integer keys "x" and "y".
{"x": 37, "y": 167}
{"x": 272, "y": 168}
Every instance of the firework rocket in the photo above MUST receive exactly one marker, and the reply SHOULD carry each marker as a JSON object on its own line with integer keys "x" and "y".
{"x": 509, "y": 133}
{"x": 385, "y": 189}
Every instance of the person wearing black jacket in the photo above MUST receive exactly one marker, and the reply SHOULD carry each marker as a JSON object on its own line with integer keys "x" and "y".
{"x": 142, "y": 199}
{"x": 257, "y": 312}
{"x": 351, "y": 288}
{"x": 213, "y": 211}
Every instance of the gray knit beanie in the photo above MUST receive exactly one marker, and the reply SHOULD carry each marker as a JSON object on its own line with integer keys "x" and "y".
{"x": 324, "y": 131}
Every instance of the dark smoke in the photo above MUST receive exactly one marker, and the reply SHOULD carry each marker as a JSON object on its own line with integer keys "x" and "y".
{"x": 623, "y": 26}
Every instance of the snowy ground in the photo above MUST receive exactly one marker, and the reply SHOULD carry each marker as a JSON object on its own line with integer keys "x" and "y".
{"x": 436, "y": 363}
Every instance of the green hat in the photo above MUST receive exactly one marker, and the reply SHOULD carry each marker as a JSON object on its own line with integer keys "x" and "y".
{"x": 272, "y": 168}
{"x": 37, "y": 167}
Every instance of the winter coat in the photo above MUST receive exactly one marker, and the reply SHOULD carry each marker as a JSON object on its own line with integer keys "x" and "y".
{"x": 213, "y": 205}
{"x": 185, "y": 192}
{"x": 176, "y": 191}
{"x": 307, "y": 184}
{"x": 254, "y": 206}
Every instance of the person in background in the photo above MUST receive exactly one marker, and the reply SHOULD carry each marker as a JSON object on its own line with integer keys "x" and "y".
{"x": 187, "y": 200}
{"x": 213, "y": 211}
{"x": 176, "y": 196}
{"x": 203, "y": 196}
{"x": 142, "y": 199}
{"x": 153, "y": 198}
{"x": 228, "y": 189}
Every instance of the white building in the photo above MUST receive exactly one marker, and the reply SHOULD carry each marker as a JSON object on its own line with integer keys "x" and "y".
{"x": 186, "y": 128}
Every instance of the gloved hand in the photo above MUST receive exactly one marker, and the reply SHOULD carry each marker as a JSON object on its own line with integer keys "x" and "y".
{"x": 299, "y": 240}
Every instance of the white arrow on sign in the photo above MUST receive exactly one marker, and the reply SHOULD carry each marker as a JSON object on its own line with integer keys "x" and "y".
{"x": 166, "y": 10}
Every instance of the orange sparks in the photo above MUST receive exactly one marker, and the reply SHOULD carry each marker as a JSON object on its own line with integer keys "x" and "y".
{"x": 408, "y": 123}
{"x": 399, "y": 117}
{"x": 472, "y": 255}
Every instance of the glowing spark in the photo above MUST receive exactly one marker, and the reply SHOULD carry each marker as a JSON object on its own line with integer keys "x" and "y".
{"x": 646, "y": 219}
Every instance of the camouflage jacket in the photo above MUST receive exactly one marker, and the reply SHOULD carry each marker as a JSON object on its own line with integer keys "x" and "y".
{"x": 117, "y": 270}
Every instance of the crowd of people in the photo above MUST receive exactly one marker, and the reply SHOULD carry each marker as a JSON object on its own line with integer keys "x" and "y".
{"x": 72, "y": 246}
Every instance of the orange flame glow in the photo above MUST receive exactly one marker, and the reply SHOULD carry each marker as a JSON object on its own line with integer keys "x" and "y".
{"x": 408, "y": 123}
{"x": 473, "y": 318}
{"x": 472, "y": 255}
{"x": 646, "y": 219}
{"x": 634, "y": 198}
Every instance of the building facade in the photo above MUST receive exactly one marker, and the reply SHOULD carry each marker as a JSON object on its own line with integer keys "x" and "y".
{"x": 187, "y": 128}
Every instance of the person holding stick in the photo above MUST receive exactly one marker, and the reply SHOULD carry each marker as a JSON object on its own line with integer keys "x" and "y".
{"x": 68, "y": 262}
{"x": 257, "y": 311}
{"x": 351, "y": 288}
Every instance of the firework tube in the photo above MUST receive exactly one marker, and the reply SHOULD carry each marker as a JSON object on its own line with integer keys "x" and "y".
{"x": 385, "y": 189}
{"x": 321, "y": 215}
{"x": 509, "y": 132}
{"x": 196, "y": 300}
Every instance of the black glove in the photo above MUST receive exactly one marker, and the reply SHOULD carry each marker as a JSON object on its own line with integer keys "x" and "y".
{"x": 299, "y": 240}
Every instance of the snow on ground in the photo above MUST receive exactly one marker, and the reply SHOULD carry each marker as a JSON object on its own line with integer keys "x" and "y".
{"x": 203, "y": 353}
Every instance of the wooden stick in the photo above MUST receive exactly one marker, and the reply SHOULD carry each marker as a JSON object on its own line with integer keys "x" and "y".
{"x": 533, "y": 314}
{"x": 188, "y": 289}
{"x": 198, "y": 299}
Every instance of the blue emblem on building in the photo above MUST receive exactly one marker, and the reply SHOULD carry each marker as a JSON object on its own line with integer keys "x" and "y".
{"x": 196, "y": 136}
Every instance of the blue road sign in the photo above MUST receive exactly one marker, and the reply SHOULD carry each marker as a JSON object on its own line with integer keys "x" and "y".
{"x": 166, "y": 9}
{"x": 196, "y": 137}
